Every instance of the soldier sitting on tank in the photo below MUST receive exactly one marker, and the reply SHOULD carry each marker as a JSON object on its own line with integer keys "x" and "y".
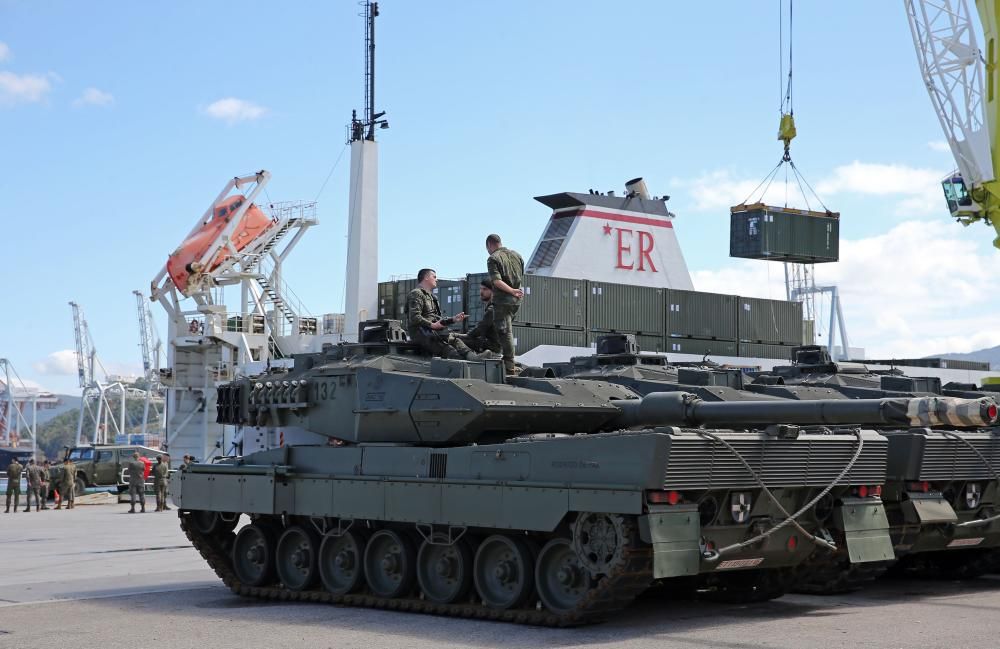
{"x": 484, "y": 336}
{"x": 425, "y": 324}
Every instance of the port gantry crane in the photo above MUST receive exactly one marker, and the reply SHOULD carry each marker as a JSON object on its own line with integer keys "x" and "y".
{"x": 152, "y": 349}
{"x": 953, "y": 66}
{"x": 94, "y": 392}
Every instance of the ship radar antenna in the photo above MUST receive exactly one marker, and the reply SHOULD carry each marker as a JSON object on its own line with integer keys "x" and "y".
{"x": 364, "y": 128}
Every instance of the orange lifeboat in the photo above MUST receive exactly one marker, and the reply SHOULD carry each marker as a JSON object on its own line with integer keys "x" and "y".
{"x": 182, "y": 265}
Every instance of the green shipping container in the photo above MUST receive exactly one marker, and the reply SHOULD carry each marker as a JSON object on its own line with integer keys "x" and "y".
{"x": 624, "y": 308}
{"x": 700, "y": 315}
{"x": 646, "y": 342}
{"x": 757, "y": 350}
{"x": 554, "y": 302}
{"x": 784, "y": 234}
{"x": 387, "y": 300}
{"x": 700, "y": 347}
{"x": 527, "y": 338}
{"x": 774, "y": 322}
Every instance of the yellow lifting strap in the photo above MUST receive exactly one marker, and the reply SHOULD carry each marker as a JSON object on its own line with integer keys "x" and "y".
{"x": 786, "y": 129}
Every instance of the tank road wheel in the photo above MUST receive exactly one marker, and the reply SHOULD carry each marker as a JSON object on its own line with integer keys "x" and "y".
{"x": 598, "y": 540}
{"x": 341, "y": 563}
{"x": 253, "y": 555}
{"x": 295, "y": 558}
{"x": 561, "y": 577}
{"x": 502, "y": 571}
{"x": 206, "y": 522}
{"x": 389, "y": 564}
{"x": 444, "y": 571}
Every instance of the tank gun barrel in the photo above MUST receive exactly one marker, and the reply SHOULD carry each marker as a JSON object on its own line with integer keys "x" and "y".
{"x": 685, "y": 409}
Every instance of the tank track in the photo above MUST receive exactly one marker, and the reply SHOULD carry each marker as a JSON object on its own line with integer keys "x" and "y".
{"x": 837, "y": 576}
{"x": 949, "y": 565}
{"x": 631, "y": 576}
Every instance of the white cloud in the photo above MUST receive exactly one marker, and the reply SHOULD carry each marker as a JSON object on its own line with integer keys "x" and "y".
{"x": 939, "y": 145}
{"x": 234, "y": 110}
{"x": 4, "y": 51}
{"x": 58, "y": 363}
{"x": 94, "y": 97}
{"x": 922, "y": 288}
{"x": 25, "y": 88}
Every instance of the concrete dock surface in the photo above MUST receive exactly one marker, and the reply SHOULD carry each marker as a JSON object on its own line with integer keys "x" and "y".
{"x": 97, "y": 577}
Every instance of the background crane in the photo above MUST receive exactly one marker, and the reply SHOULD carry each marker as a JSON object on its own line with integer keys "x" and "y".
{"x": 952, "y": 66}
{"x": 151, "y": 348}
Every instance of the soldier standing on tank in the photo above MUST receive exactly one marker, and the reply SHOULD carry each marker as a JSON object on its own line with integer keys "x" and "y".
{"x": 484, "y": 335}
{"x": 161, "y": 471}
{"x": 136, "y": 483}
{"x": 44, "y": 485}
{"x": 14, "y": 484}
{"x": 34, "y": 486}
{"x": 68, "y": 488}
{"x": 506, "y": 269}
{"x": 425, "y": 324}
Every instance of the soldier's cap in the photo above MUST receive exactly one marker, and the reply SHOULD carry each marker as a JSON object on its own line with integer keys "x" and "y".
{"x": 487, "y": 283}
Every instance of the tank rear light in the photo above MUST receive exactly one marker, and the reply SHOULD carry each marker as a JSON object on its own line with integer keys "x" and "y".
{"x": 991, "y": 412}
{"x": 865, "y": 491}
{"x": 793, "y": 542}
{"x": 923, "y": 487}
{"x": 663, "y": 497}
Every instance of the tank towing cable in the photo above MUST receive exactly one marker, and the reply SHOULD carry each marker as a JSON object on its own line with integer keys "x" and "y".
{"x": 791, "y": 519}
{"x": 981, "y": 521}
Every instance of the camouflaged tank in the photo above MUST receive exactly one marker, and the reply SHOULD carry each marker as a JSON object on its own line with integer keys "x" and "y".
{"x": 442, "y": 486}
{"x": 925, "y": 518}
{"x": 941, "y": 491}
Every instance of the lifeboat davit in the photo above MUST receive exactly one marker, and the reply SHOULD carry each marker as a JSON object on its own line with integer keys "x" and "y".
{"x": 183, "y": 263}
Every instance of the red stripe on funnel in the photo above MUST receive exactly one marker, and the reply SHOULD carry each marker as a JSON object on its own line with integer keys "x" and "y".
{"x": 610, "y": 216}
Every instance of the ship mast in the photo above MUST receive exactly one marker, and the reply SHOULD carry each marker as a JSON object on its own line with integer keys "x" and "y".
{"x": 361, "y": 294}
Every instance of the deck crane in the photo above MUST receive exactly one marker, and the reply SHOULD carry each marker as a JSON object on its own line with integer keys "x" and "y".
{"x": 953, "y": 66}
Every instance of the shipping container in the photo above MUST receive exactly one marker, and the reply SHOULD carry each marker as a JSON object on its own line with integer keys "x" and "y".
{"x": 759, "y": 231}
{"x": 387, "y": 300}
{"x": 700, "y": 315}
{"x": 554, "y": 302}
{"x": 775, "y": 322}
{"x": 808, "y": 332}
{"x": 759, "y": 350}
{"x": 527, "y": 338}
{"x": 624, "y": 308}
{"x": 646, "y": 342}
{"x": 700, "y": 347}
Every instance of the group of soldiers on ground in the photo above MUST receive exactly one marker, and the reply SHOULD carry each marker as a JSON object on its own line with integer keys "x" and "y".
{"x": 39, "y": 479}
{"x": 502, "y": 294}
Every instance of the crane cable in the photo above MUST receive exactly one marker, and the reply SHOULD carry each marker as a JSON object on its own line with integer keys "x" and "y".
{"x": 786, "y": 126}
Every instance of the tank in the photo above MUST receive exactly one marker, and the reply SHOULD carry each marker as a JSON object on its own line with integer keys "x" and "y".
{"x": 442, "y": 486}
{"x": 941, "y": 494}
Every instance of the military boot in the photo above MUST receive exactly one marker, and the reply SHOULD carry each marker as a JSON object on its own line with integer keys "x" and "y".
{"x": 143, "y": 510}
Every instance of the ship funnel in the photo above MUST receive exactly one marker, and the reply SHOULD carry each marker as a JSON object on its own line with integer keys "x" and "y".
{"x": 637, "y": 187}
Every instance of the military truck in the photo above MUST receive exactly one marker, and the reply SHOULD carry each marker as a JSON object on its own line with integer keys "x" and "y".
{"x": 444, "y": 486}
{"x": 100, "y": 466}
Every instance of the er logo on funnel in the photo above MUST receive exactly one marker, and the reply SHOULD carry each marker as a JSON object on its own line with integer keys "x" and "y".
{"x": 633, "y": 248}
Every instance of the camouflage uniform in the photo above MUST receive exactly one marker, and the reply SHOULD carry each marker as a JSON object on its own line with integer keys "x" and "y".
{"x": 68, "y": 489}
{"x": 34, "y": 486}
{"x": 484, "y": 336}
{"x": 136, "y": 484}
{"x": 44, "y": 486}
{"x": 14, "y": 483}
{"x": 506, "y": 265}
{"x": 161, "y": 471}
{"x": 423, "y": 310}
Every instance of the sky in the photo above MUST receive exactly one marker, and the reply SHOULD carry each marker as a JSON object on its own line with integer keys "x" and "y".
{"x": 115, "y": 137}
